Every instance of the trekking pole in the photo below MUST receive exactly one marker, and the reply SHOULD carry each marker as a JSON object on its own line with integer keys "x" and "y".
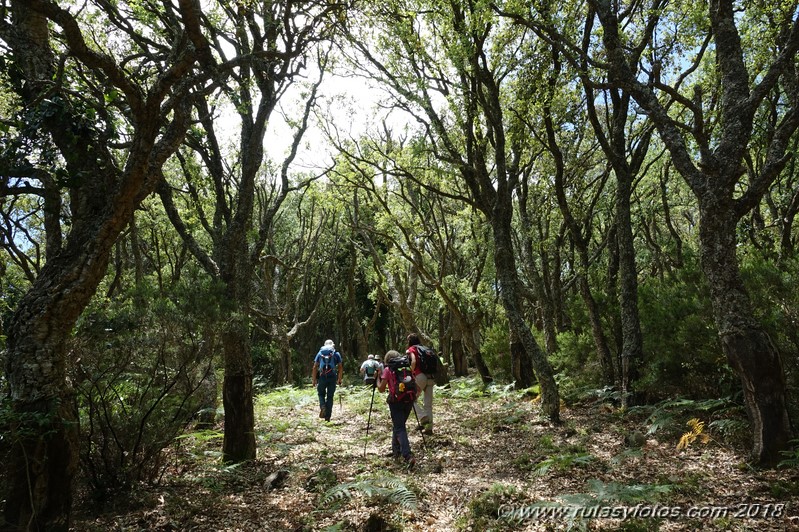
{"x": 369, "y": 420}
{"x": 421, "y": 429}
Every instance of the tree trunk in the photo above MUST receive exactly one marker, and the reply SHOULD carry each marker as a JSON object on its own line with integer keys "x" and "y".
{"x": 286, "y": 372}
{"x": 632, "y": 339}
{"x": 716, "y": 183}
{"x": 505, "y": 264}
{"x": 458, "y": 357}
{"x": 748, "y": 348}
{"x": 43, "y": 465}
{"x": 482, "y": 369}
{"x": 442, "y": 375}
{"x": 522, "y": 373}
{"x": 239, "y": 441}
{"x": 600, "y": 341}
{"x": 45, "y": 430}
{"x": 44, "y": 454}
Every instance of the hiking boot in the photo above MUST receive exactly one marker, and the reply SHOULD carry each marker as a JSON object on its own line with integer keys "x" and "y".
{"x": 428, "y": 430}
{"x": 410, "y": 462}
{"x": 322, "y": 412}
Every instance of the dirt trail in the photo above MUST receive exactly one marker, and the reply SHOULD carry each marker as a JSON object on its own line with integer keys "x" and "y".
{"x": 489, "y": 454}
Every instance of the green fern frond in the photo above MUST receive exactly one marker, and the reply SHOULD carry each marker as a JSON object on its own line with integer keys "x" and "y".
{"x": 389, "y": 489}
{"x": 627, "y": 493}
{"x": 562, "y": 462}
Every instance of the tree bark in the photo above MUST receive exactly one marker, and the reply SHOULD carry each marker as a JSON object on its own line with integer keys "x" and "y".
{"x": 746, "y": 345}
{"x": 44, "y": 454}
{"x": 505, "y": 264}
{"x": 239, "y": 441}
{"x": 522, "y": 373}
{"x": 632, "y": 339}
{"x": 458, "y": 357}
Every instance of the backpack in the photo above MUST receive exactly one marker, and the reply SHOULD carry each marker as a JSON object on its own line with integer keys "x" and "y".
{"x": 370, "y": 372}
{"x": 426, "y": 360}
{"x": 404, "y": 390}
{"x": 327, "y": 361}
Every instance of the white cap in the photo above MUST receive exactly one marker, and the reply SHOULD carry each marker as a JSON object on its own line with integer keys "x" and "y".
{"x": 371, "y": 357}
{"x": 329, "y": 343}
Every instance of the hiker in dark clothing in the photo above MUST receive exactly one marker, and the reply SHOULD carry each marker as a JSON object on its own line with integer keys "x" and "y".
{"x": 326, "y": 374}
{"x": 399, "y": 406}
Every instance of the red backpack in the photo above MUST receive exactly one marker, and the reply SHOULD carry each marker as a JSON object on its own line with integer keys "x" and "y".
{"x": 403, "y": 389}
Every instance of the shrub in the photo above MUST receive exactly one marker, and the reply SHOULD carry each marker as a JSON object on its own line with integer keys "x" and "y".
{"x": 682, "y": 355}
{"x": 142, "y": 375}
{"x": 496, "y": 351}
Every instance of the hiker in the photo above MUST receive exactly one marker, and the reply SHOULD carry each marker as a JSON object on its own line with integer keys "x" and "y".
{"x": 425, "y": 382}
{"x": 370, "y": 368}
{"x": 326, "y": 374}
{"x": 400, "y": 400}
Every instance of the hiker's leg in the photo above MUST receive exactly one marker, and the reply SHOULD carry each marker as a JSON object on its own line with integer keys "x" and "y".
{"x": 421, "y": 384}
{"x": 399, "y": 416}
{"x": 428, "y": 402}
{"x": 396, "y": 449}
{"x": 405, "y": 442}
{"x": 321, "y": 389}
{"x": 331, "y": 389}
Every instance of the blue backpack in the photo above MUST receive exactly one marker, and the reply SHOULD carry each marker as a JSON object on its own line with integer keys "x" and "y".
{"x": 327, "y": 361}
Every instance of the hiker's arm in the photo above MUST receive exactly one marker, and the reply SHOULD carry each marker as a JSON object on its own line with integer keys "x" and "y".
{"x": 340, "y": 372}
{"x": 381, "y": 383}
{"x": 314, "y": 372}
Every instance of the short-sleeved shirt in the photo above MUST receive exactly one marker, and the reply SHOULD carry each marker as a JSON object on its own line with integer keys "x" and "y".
{"x": 336, "y": 361}
{"x": 412, "y": 350}
{"x": 371, "y": 362}
{"x": 391, "y": 380}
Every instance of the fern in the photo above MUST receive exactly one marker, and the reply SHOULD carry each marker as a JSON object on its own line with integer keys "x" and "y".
{"x": 696, "y": 433}
{"x": 627, "y": 493}
{"x": 729, "y": 427}
{"x": 665, "y": 414}
{"x": 388, "y": 489}
{"x": 791, "y": 456}
{"x": 562, "y": 462}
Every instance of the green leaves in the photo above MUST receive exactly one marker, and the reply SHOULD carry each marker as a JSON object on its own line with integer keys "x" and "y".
{"x": 381, "y": 489}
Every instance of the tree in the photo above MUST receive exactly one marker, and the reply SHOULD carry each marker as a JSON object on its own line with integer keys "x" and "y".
{"x": 297, "y": 271}
{"x": 420, "y": 244}
{"x": 708, "y": 143}
{"x": 114, "y": 114}
{"x": 269, "y": 45}
{"x": 425, "y": 46}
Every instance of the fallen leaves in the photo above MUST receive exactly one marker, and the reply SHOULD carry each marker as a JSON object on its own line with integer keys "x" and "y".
{"x": 480, "y": 443}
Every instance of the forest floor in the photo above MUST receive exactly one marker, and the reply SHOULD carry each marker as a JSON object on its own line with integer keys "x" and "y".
{"x": 491, "y": 454}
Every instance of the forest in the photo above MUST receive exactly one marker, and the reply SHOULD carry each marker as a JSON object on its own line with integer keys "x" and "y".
{"x": 586, "y": 207}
